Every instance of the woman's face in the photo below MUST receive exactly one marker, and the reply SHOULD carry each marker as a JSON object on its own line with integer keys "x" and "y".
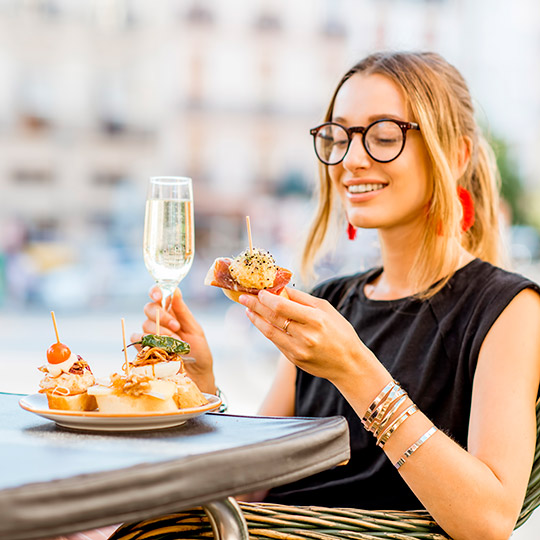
{"x": 398, "y": 191}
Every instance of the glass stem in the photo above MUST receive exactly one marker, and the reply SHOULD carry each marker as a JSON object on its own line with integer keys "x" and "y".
{"x": 166, "y": 296}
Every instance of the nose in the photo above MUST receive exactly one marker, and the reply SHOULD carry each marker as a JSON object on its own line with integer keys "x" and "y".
{"x": 356, "y": 157}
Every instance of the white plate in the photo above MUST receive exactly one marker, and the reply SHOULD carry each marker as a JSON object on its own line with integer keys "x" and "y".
{"x": 96, "y": 421}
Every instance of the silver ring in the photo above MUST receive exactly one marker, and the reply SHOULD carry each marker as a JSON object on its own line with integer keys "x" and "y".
{"x": 286, "y": 325}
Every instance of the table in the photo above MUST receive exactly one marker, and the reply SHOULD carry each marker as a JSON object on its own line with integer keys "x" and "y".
{"x": 56, "y": 481}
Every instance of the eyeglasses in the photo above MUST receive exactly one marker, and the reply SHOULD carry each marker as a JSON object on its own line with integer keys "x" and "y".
{"x": 383, "y": 140}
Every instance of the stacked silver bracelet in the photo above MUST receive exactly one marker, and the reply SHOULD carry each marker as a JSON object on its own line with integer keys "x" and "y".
{"x": 380, "y": 418}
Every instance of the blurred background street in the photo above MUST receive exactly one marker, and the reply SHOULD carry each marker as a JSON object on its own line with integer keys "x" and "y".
{"x": 99, "y": 95}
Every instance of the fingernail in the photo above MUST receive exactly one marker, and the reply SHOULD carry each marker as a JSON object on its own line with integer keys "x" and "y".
{"x": 174, "y": 325}
{"x": 156, "y": 296}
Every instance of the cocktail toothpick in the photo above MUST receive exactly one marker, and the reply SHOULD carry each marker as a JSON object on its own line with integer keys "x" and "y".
{"x": 249, "y": 235}
{"x": 126, "y": 365}
{"x": 157, "y": 322}
{"x": 55, "y": 327}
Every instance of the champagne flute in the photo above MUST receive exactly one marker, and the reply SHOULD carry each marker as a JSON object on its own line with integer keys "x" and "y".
{"x": 169, "y": 242}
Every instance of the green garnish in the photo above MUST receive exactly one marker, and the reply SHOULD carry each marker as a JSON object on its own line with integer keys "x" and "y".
{"x": 167, "y": 343}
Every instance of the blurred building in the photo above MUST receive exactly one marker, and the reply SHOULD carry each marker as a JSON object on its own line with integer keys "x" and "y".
{"x": 98, "y": 95}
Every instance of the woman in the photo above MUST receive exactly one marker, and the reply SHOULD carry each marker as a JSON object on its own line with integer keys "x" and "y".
{"x": 434, "y": 358}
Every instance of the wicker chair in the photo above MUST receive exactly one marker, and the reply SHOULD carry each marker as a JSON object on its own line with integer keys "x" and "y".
{"x": 281, "y": 522}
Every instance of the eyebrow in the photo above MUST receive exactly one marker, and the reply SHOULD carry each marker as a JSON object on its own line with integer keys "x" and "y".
{"x": 373, "y": 118}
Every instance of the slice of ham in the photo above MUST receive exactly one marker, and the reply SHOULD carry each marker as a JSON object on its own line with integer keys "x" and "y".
{"x": 220, "y": 276}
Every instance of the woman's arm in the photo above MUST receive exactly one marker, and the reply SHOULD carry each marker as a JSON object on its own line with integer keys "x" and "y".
{"x": 479, "y": 493}
{"x": 472, "y": 494}
{"x": 279, "y": 400}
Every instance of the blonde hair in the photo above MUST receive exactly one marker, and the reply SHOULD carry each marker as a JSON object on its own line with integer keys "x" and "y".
{"x": 440, "y": 102}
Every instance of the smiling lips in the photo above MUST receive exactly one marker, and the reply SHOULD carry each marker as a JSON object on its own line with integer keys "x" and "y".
{"x": 364, "y": 188}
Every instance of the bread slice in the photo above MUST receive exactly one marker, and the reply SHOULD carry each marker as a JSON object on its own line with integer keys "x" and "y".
{"x": 187, "y": 393}
{"x": 76, "y": 402}
{"x": 235, "y": 295}
{"x": 159, "y": 398}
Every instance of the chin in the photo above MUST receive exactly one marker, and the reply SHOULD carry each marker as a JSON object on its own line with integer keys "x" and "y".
{"x": 362, "y": 221}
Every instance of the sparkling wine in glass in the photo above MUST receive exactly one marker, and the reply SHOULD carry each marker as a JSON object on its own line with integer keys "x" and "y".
{"x": 169, "y": 242}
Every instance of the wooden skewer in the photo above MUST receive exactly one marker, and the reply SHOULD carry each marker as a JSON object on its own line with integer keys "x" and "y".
{"x": 55, "y": 327}
{"x": 249, "y": 235}
{"x": 157, "y": 322}
{"x": 126, "y": 365}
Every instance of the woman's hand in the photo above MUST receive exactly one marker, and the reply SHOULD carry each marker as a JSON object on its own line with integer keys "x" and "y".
{"x": 312, "y": 334}
{"x": 179, "y": 322}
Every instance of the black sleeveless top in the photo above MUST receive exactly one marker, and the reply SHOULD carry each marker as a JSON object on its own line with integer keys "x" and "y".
{"x": 431, "y": 348}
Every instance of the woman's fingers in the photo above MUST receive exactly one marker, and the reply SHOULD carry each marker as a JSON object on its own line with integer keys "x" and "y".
{"x": 303, "y": 298}
{"x": 166, "y": 319}
{"x": 183, "y": 314}
{"x": 267, "y": 313}
{"x": 167, "y": 322}
{"x": 280, "y": 338}
{"x": 136, "y": 337}
{"x": 277, "y": 309}
{"x": 155, "y": 293}
{"x": 150, "y": 327}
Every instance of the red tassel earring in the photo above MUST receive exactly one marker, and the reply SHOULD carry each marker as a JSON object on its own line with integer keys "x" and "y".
{"x": 351, "y": 232}
{"x": 467, "y": 203}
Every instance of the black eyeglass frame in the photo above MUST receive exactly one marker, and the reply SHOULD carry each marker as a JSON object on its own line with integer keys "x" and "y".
{"x": 404, "y": 126}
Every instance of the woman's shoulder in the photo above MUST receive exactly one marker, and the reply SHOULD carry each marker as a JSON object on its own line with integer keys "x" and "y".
{"x": 334, "y": 289}
{"x": 481, "y": 276}
{"x": 479, "y": 291}
{"x": 472, "y": 301}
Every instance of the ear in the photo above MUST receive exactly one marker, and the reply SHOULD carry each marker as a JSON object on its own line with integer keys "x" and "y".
{"x": 464, "y": 155}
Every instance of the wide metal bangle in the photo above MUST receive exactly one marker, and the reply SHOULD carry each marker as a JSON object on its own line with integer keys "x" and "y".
{"x": 412, "y": 449}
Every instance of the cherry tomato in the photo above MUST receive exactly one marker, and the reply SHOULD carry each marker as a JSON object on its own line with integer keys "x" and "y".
{"x": 58, "y": 353}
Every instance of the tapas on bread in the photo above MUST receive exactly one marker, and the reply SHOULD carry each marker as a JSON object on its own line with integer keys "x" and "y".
{"x": 67, "y": 378}
{"x": 154, "y": 381}
{"x": 249, "y": 272}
